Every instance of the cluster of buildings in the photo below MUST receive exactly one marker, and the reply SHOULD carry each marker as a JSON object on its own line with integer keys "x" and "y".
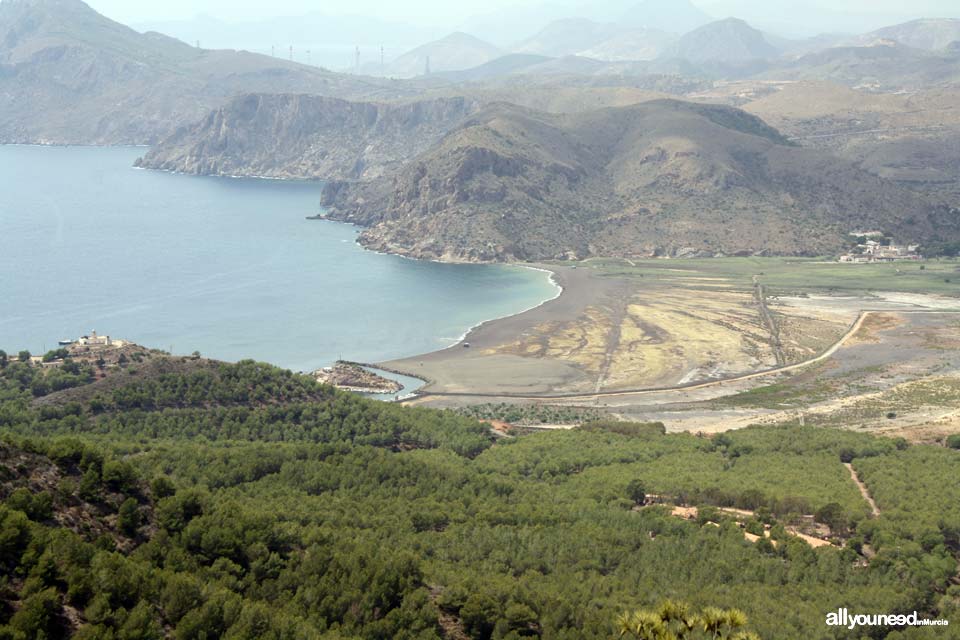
{"x": 874, "y": 246}
{"x": 94, "y": 340}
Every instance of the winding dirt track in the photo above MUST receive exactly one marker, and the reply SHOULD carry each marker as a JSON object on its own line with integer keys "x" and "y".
{"x": 863, "y": 489}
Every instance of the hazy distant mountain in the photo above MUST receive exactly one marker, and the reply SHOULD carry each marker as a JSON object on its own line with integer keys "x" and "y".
{"x": 506, "y": 25}
{"x": 884, "y": 66}
{"x": 797, "y": 48}
{"x": 455, "y": 52}
{"x": 496, "y": 68}
{"x": 634, "y": 44}
{"x": 673, "y": 16}
{"x": 568, "y": 37}
{"x": 724, "y": 41}
{"x": 600, "y": 41}
{"x": 331, "y": 39}
{"x": 658, "y": 177}
{"x": 298, "y": 136}
{"x": 70, "y": 75}
{"x": 921, "y": 34}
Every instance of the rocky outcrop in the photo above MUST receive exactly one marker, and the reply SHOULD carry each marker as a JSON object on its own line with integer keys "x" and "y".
{"x": 658, "y": 178}
{"x": 307, "y": 137}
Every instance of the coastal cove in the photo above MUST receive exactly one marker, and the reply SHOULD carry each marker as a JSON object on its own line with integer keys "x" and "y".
{"x": 228, "y": 267}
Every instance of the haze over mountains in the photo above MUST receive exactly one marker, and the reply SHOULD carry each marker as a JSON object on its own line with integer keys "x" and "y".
{"x": 71, "y": 76}
{"x": 607, "y": 134}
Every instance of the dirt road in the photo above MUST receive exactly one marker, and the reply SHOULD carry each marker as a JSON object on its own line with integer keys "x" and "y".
{"x": 863, "y": 489}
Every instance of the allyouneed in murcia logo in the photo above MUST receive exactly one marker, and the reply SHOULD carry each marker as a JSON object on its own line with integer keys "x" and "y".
{"x": 843, "y": 618}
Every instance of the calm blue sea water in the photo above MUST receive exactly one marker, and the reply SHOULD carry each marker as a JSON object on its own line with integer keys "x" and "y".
{"x": 228, "y": 267}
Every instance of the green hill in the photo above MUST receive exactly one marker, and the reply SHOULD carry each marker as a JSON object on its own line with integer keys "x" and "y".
{"x": 202, "y": 499}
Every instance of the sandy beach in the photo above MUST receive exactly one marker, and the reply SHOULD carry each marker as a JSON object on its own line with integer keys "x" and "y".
{"x": 484, "y": 368}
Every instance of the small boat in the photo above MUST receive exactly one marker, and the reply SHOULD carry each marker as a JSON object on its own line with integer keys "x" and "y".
{"x": 64, "y": 343}
{"x": 466, "y": 345}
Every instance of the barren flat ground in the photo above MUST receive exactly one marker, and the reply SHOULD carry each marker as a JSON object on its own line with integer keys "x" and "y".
{"x": 709, "y": 345}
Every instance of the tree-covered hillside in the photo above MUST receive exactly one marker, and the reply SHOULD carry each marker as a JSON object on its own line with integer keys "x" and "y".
{"x": 207, "y": 500}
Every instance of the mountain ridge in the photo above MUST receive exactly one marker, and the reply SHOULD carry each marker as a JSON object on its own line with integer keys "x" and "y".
{"x": 297, "y": 136}
{"x": 72, "y": 76}
{"x": 665, "y": 177}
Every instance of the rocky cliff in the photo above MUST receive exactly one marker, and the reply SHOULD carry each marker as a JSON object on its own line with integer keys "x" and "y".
{"x": 301, "y": 136}
{"x": 662, "y": 177}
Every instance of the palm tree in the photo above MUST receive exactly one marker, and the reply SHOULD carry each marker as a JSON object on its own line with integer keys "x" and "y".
{"x": 674, "y": 620}
{"x": 644, "y": 625}
{"x": 678, "y": 617}
{"x": 715, "y": 621}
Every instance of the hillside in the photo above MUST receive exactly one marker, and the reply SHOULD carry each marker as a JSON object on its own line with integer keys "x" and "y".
{"x": 568, "y": 37}
{"x": 298, "y": 136}
{"x": 723, "y": 42}
{"x": 243, "y": 501}
{"x": 662, "y": 177}
{"x": 885, "y": 66}
{"x": 929, "y": 34}
{"x": 634, "y": 44}
{"x": 912, "y": 138}
{"x": 70, "y": 75}
{"x": 455, "y": 52}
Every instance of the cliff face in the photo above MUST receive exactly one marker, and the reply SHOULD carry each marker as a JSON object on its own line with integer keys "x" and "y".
{"x": 300, "y": 136}
{"x": 663, "y": 177}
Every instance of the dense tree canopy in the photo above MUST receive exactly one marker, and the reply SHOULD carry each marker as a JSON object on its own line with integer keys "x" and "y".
{"x": 242, "y": 501}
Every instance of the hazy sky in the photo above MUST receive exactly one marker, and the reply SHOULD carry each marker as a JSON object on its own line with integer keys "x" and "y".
{"x": 447, "y": 12}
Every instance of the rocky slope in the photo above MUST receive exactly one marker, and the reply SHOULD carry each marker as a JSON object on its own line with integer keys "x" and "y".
{"x": 663, "y": 177}
{"x": 300, "y": 136}
{"x": 70, "y": 75}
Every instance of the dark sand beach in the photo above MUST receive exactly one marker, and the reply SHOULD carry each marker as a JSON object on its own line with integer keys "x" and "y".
{"x": 478, "y": 369}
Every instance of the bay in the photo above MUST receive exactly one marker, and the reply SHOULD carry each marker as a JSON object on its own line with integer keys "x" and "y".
{"x": 228, "y": 267}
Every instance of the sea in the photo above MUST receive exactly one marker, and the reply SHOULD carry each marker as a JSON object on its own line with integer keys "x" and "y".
{"x": 228, "y": 267}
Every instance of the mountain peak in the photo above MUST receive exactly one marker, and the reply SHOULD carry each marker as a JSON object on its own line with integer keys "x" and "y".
{"x": 454, "y": 52}
{"x": 730, "y": 40}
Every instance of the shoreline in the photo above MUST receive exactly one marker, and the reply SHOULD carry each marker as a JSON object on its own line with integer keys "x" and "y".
{"x": 173, "y": 172}
{"x": 554, "y": 277}
{"x": 551, "y": 277}
{"x": 486, "y": 366}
